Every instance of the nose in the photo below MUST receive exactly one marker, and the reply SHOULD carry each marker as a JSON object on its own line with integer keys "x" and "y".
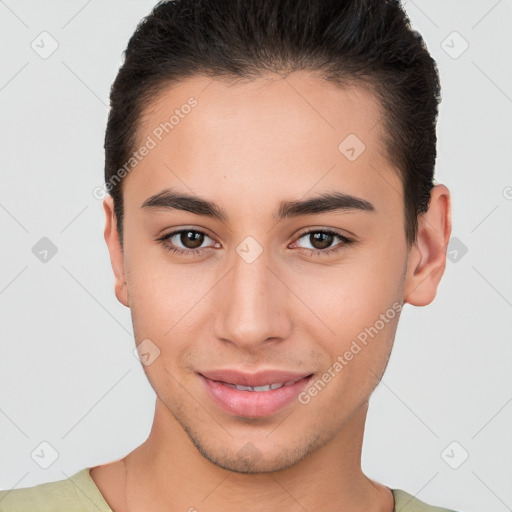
{"x": 252, "y": 305}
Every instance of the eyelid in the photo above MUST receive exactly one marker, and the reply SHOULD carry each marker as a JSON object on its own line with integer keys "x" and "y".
{"x": 197, "y": 228}
{"x": 339, "y": 232}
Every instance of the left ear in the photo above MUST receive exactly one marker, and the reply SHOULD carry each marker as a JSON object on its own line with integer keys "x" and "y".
{"x": 427, "y": 257}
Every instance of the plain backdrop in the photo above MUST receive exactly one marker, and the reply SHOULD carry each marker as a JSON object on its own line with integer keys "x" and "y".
{"x": 440, "y": 422}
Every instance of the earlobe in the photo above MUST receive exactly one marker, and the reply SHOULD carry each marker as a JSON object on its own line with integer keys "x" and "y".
{"x": 427, "y": 257}
{"x": 111, "y": 235}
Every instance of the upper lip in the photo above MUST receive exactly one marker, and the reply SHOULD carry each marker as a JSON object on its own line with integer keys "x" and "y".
{"x": 260, "y": 378}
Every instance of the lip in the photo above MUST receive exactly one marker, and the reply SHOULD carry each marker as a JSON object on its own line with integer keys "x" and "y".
{"x": 254, "y": 404}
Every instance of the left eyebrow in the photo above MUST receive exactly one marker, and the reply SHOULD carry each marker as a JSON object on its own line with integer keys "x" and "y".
{"x": 327, "y": 202}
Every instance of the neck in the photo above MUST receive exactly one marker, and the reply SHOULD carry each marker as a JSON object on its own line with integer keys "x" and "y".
{"x": 167, "y": 472}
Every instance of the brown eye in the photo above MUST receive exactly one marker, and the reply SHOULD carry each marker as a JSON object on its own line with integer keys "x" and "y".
{"x": 187, "y": 242}
{"x": 321, "y": 240}
{"x": 191, "y": 239}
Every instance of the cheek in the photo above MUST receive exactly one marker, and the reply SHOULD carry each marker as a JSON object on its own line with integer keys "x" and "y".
{"x": 166, "y": 299}
{"x": 356, "y": 308}
{"x": 167, "y": 309}
{"x": 352, "y": 295}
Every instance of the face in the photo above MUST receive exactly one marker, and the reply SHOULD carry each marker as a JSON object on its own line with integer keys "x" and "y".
{"x": 250, "y": 283}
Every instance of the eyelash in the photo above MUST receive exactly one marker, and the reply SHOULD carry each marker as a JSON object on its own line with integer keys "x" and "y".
{"x": 164, "y": 241}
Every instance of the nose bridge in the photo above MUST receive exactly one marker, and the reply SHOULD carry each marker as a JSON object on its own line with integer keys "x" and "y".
{"x": 253, "y": 306}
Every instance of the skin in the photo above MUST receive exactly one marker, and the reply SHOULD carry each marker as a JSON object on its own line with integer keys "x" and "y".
{"x": 247, "y": 146}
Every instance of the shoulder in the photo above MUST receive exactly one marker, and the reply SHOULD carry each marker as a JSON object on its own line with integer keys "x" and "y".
{"x": 405, "y": 502}
{"x": 74, "y": 494}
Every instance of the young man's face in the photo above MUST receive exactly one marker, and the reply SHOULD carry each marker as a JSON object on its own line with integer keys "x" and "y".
{"x": 255, "y": 298}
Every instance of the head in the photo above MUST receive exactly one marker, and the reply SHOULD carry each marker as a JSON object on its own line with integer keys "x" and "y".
{"x": 293, "y": 144}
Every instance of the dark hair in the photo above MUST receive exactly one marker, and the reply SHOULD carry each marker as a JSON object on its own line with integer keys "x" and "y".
{"x": 369, "y": 42}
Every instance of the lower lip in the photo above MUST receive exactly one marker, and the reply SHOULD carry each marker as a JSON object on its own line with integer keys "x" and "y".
{"x": 254, "y": 404}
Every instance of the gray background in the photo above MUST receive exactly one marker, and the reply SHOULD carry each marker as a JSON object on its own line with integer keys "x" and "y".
{"x": 68, "y": 375}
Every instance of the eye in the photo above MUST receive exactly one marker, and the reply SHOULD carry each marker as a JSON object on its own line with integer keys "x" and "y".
{"x": 190, "y": 240}
{"x": 321, "y": 241}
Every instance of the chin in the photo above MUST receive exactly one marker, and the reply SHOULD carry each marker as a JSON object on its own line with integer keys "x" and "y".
{"x": 250, "y": 459}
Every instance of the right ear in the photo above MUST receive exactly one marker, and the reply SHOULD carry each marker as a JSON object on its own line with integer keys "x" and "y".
{"x": 116, "y": 253}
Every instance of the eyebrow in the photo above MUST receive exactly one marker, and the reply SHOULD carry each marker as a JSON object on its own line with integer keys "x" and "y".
{"x": 170, "y": 199}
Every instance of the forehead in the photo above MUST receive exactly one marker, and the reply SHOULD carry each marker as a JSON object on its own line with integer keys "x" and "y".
{"x": 267, "y": 137}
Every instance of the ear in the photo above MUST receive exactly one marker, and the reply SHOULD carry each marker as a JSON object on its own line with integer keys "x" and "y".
{"x": 116, "y": 253}
{"x": 427, "y": 256}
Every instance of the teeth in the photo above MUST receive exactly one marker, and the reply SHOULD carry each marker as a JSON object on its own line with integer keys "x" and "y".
{"x": 243, "y": 388}
{"x": 267, "y": 387}
{"x": 261, "y": 388}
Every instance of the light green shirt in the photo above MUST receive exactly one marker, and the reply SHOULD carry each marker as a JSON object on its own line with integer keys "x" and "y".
{"x": 79, "y": 493}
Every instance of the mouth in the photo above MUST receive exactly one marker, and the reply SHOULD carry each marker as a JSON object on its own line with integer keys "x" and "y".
{"x": 261, "y": 399}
